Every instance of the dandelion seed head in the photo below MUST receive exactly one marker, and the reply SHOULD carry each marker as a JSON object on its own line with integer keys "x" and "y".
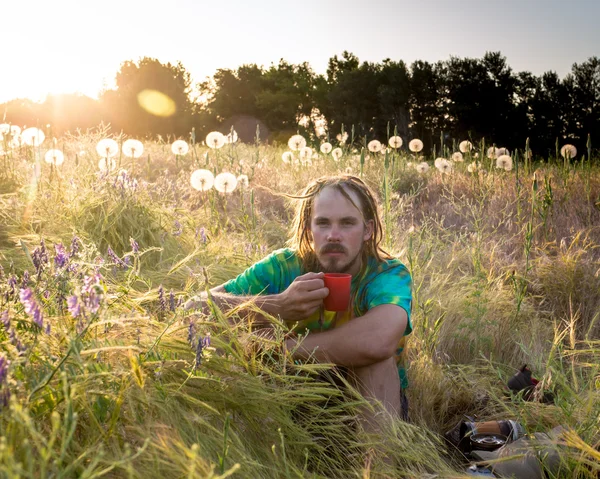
{"x": 492, "y": 152}
{"x": 287, "y": 157}
{"x": 472, "y": 167}
{"x": 306, "y": 153}
{"x": 133, "y": 148}
{"x": 465, "y": 146}
{"x": 395, "y": 142}
{"x": 107, "y": 164}
{"x": 33, "y": 136}
{"x": 337, "y": 153}
{"x": 422, "y": 167}
{"x": 296, "y": 142}
{"x": 107, "y": 148}
{"x": 504, "y": 162}
{"x": 243, "y": 181}
{"x": 415, "y": 145}
{"x": 231, "y": 137}
{"x": 225, "y": 182}
{"x": 202, "y": 180}
{"x": 54, "y": 157}
{"x": 374, "y": 146}
{"x": 180, "y": 147}
{"x": 215, "y": 140}
{"x": 568, "y": 151}
{"x": 438, "y": 162}
{"x": 457, "y": 156}
{"x": 326, "y": 148}
{"x": 502, "y": 151}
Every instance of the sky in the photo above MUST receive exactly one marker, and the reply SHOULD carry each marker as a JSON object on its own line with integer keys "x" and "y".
{"x": 67, "y": 46}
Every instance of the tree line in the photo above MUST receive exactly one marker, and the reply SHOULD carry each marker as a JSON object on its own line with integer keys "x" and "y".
{"x": 440, "y": 103}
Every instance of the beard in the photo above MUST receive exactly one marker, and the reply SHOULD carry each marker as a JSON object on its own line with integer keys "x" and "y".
{"x": 335, "y": 265}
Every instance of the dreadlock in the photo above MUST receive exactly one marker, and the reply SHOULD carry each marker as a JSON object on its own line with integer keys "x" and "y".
{"x": 300, "y": 238}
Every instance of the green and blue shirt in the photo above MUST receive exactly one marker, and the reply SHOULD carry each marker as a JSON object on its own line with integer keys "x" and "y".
{"x": 385, "y": 282}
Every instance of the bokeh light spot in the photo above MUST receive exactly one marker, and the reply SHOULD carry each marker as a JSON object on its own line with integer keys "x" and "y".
{"x": 156, "y": 103}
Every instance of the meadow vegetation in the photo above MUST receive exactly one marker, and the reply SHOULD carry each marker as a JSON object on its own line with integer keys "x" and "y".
{"x": 103, "y": 374}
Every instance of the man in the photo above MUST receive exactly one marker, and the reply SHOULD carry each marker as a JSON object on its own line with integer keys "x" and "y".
{"x": 336, "y": 229}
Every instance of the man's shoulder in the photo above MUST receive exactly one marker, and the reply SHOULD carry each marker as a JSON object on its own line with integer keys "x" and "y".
{"x": 376, "y": 267}
{"x": 286, "y": 258}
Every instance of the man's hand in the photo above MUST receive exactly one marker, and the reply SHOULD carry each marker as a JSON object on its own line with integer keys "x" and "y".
{"x": 303, "y": 297}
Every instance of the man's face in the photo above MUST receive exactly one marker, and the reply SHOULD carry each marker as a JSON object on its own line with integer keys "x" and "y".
{"x": 338, "y": 231}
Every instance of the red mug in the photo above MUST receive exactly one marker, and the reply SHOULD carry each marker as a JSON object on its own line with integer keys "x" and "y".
{"x": 339, "y": 291}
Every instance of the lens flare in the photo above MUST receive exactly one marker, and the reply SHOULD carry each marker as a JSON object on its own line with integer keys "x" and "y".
{"x": 156, "y": 103}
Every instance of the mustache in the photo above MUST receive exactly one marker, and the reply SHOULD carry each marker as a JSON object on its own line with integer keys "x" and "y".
{"x": 333, "y": 248}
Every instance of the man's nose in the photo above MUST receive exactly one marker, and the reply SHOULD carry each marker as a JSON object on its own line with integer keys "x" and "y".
{"x": 334, "y": 234}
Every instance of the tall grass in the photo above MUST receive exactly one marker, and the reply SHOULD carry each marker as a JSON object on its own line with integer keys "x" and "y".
{"x": 505, "y": 271}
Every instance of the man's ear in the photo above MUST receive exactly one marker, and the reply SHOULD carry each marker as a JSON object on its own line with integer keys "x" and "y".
{"x": 369, "y": 227}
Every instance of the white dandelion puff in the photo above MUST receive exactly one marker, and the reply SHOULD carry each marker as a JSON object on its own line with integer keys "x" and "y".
{"x": 215, "y": 140}
{"x": 415, "y": 145}
{"x": 287, "y": 157}
{"x": 180, "y": 147}
{"x": 395, "y": 142}
{"x": 502, "y": 151}
{"x": 326, "y": 148}
{"x": 504, "y": 162}
{"x": 438, "y": 162}
{"x": 374, "y": 146}
{"x": 231, "y": 137}
{"x": 54, "y": 157}
{"x": 337, "y": 154}
{"x": 306, "y": 153}
{"x": 133, "y": 148}
{"x": 296, "y": 142}
{"x": 33, "y": 136}
{"x": 568, "y": 151}
{"x": 457, "y": 156}
{"x": 492, "y": 152}
{"x": 243, "y": 181}
{"x": 107, "y": 148}
{"x": 465, "y": 146}
{"x": 446, "y": 167}
{"x": 422, "y": 167}
{"x": 202, "y": 180}
{"x": 472, "y": 167}
{"x": 409, "y": 164}
{"x": 225, "y": 182}
{"x": 107, "y": 164}
{"x": 348, "y": 170}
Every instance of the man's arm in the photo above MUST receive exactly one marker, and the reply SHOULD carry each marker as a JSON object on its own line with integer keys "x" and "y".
{"x": 360, "y": 342}
{"x": 301, "y": 299}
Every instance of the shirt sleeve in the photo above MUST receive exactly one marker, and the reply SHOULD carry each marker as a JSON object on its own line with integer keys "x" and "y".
{"x": 260, "y": 278}
{"x": 392, "y": 286}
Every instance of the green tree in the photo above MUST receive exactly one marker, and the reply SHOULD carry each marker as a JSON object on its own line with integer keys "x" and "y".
{"x": 130, "y": 108}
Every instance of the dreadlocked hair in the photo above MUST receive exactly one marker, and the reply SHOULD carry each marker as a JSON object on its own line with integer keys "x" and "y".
{"x": 300, "y": 235}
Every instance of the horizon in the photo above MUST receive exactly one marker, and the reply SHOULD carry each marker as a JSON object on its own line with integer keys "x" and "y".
{"x": 61, "y": 54}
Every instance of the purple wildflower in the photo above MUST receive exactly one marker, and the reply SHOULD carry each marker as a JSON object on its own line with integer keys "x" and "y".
{"x": 60, "y": 258}
{"x": 90, "y": 292}
{"x": 202, "y": 233}
{"x": 172, "y": 305}
{"x": 162, "y": 303}
{"x": 25, "y": 279}
{"x": 115, "y": 259}
{"x": 135, "y": 247}
{"x": 199, "y": 349}
{"x": 73, "y": 306}
{"x": 4, "y": 389}
{"x": 40, "y": 257}
{"x": 75, "y": 242}
{"x": 5, "y": 320}
{"x": 191, "y": 333}
{"x": 178, "y": 228}
{"x": 31, "y": 307}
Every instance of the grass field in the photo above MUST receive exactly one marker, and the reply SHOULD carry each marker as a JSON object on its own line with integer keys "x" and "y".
{"x": 103, "y": 374}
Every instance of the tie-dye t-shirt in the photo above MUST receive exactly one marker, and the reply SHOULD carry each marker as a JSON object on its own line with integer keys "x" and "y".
{"x": 386, "y": 282}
